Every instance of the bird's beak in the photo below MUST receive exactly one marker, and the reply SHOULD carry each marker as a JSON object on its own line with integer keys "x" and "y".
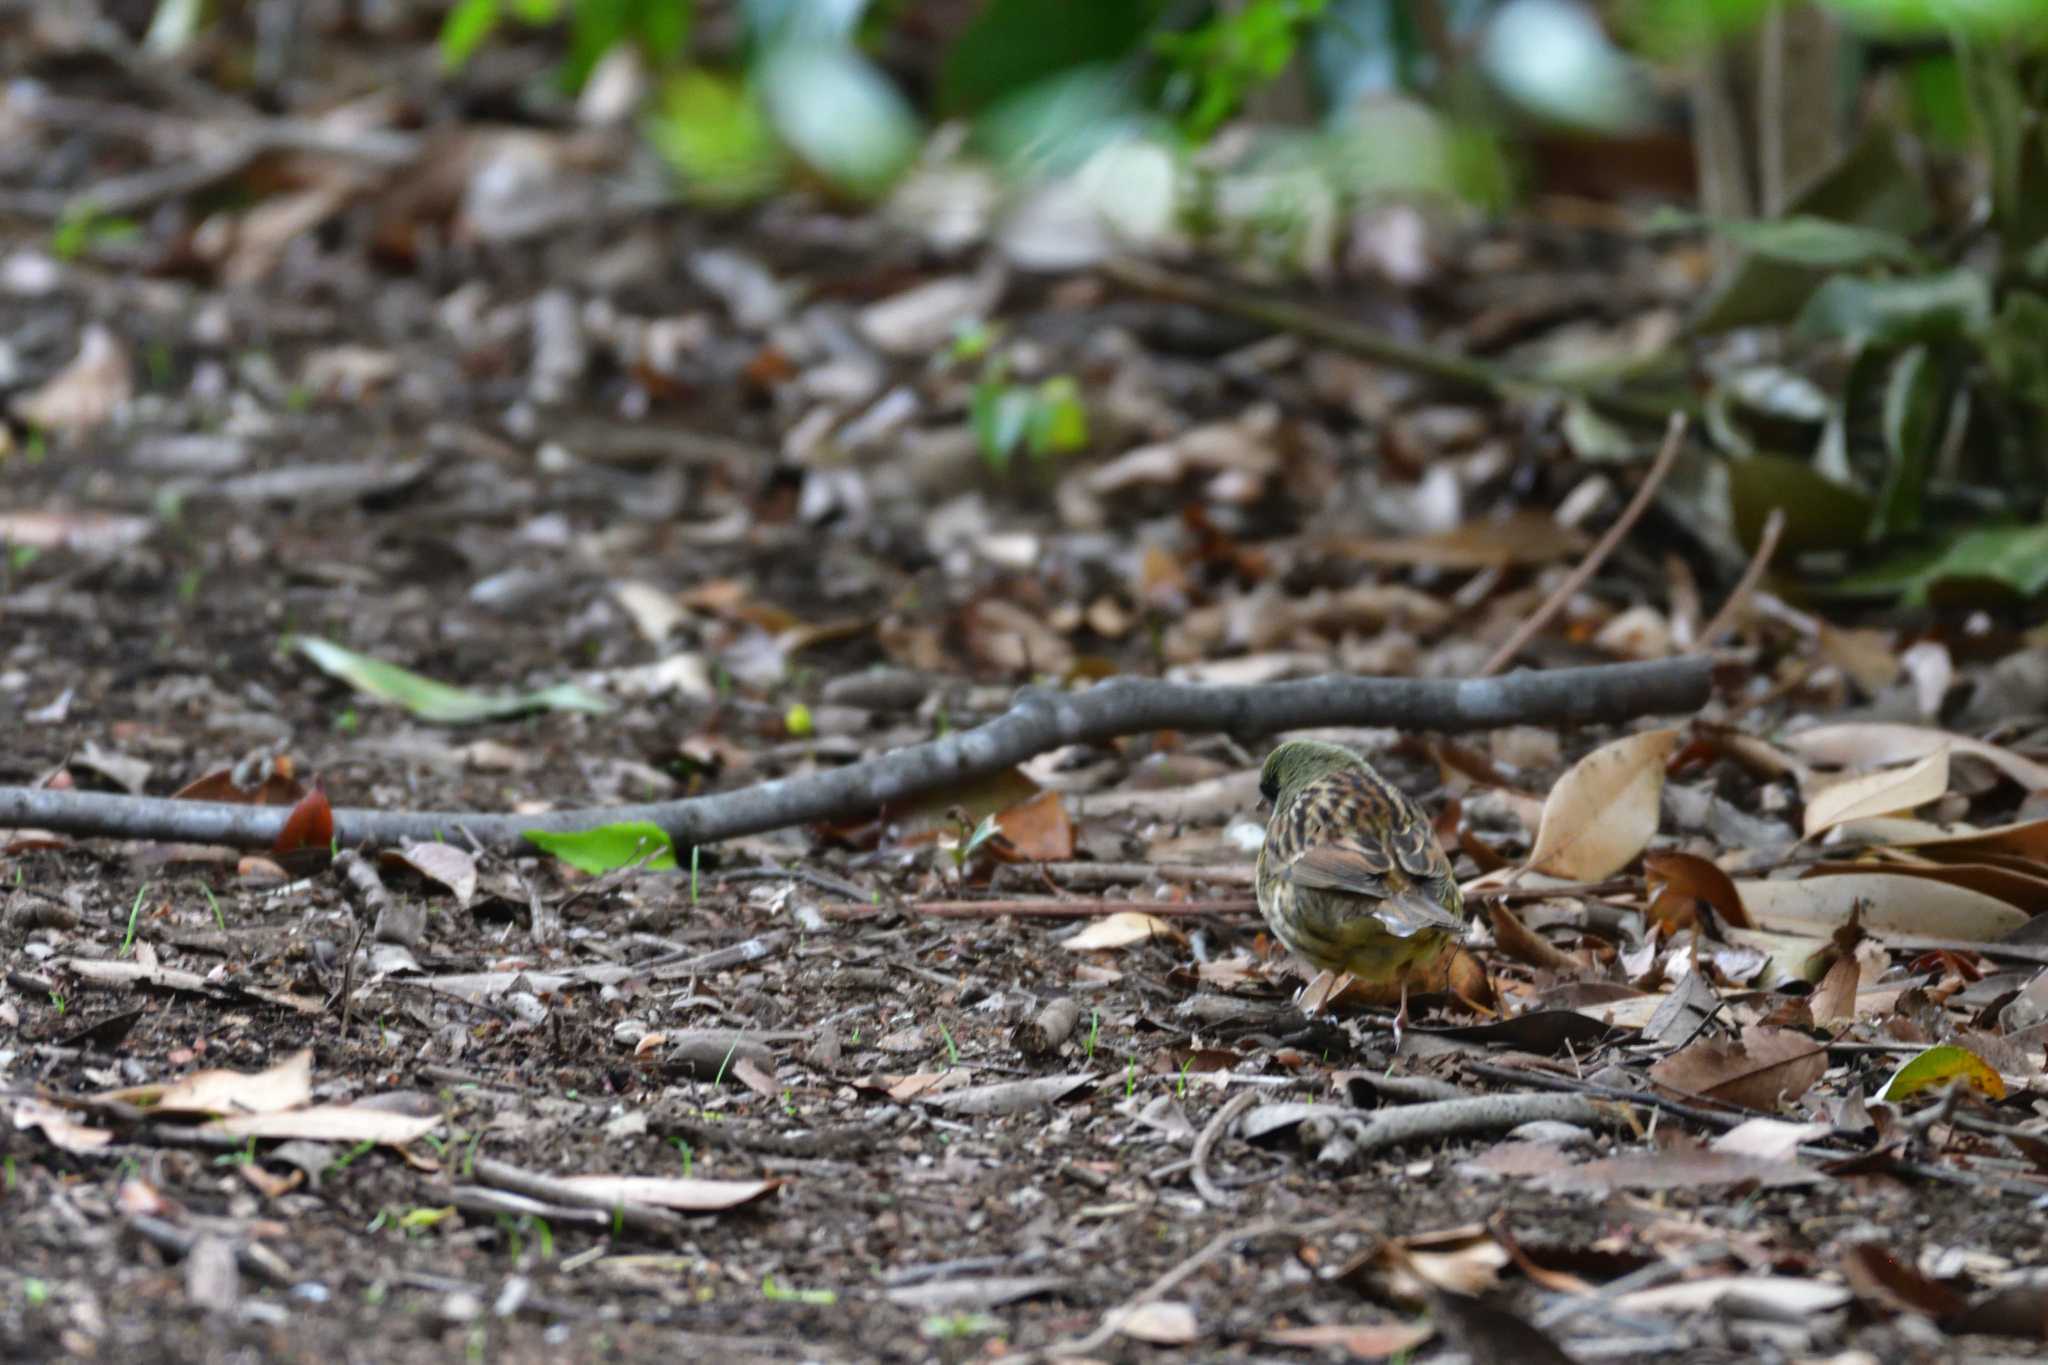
{"x": 1409, "y": 913}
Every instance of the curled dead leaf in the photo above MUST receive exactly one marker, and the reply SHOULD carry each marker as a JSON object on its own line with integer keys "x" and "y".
{"x": 1604, "y": 809}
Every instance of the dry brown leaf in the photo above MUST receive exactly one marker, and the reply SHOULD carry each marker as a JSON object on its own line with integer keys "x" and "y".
{"x": 1767, "y": 1067}
{"x": 1365, "y": 1340}
{"x": 2023, "y": 890}
{"x": 1160, "y": 1322}
{"x": 1876, "y": 1275}
{"x": 92, "y": 388}
{"x": 1516, "y": 940}
{"x": 1036, "y": 831}
{"x": 1524, "y": 538}
{"x": 1890, "y": 903}
{"x": 1880, "y": 793}
{"x": 284, "y": 1086}
{"x": 57, "y": 1125}
{"x": 2024, "y": 839}
{"x": 1864, "y": 744}
{"x": 446, "y": 864}
{"x": 1834, "y": 1000}
{"x": 1691, "y": 875}
{"x": 1865, "y": 655}
{"x": 685, "y": 1193}
{"x": 1121, "y": 930}
{"x": 331, "y": 1123}
{"x": 1604, "y": 809}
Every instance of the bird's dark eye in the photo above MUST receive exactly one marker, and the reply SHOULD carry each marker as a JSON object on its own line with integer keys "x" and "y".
{"x": 1269, "y": 789}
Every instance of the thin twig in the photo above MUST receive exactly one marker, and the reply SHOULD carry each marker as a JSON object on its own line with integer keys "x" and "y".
{"x": 1205, "y": 1145}
{"x": 1045, "y": 909}
{"x": 1038, "y": 722}
{"x": 1674, "y": 439}
{"x": 1752, "y": 574}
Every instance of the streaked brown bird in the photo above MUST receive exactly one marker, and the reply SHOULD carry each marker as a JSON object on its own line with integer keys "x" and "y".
{"x": 1351, "y": 876}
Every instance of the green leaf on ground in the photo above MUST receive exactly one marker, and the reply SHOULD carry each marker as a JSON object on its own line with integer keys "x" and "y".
{"x": 437, "y": 701}
{"x": 1820, "y": 514}
{"x": 610, "y": 847}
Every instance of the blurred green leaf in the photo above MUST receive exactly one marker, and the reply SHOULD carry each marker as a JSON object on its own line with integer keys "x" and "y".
{"x": 837, "y": 113}
{"x": 1055, "y": 126}
{"x": 2010, "y": 125}
{"x": 1000, "y": 413}
{"x": 711, "y": 131}
{"x": 1013, "y": 45}
{"x": 1871, "y": 187}
{"x": 469, "y": 22}
{"x": 1801, "y": 239}
{"x": 1914, "y": 418}
{"x": 2016, "y": 348}
{"x": 1059, "y": 421}
{"x": 610, "y": 847}
{"x": 1974, "y": 565}
{"x": 1820, "y": 514}
{"x": 437, "y": 701}
{"x": 1898, "y": 312}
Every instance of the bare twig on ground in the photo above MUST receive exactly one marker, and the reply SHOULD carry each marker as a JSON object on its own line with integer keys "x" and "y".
{"x": 1731, "y": 610}
{"x": 1667, "y": 454}
{"x": 1046, "y": 909}
{"x": 1198, "y": 1168}
{"x": 1477, "y": 1114}
{"x": 1037, "y": 723}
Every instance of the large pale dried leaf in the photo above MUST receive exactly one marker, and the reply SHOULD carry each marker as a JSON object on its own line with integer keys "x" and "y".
{"x": 288, "y": 1084}
{"x": 1779, "y": 1298}
{"x": 1890, "y": 904}
{"x": 57, "y": 1125}
{"x": 2025, "y": 839}
{"x": 971, "y": 1293}
{"x": 452, "y": 867}
{"x": 1120, "y": 931}
{"x": 82, "y": 532}
{"x": 1767, "y": 1067}
{"x": 1834, "y": 1000}
{"x": 1602, "y": 811}
{"x": 2021, "y": 890}
{"x": 1161, "y": 1322}
{"x": 1012, "y": 1097}
{"x": 686, "y": 1193}
{"x": 1863, "y": 744}
{"x": 1769, "y": 1139}
{"x": 332, "y": 1123}
{"x": 1880, "y": 793}
{"x": 1364, "y": 1340}
{"x": 85, "y": 393}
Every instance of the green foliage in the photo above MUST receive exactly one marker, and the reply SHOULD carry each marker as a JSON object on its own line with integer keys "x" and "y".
{"x": 1212, "y": 67}
{"x": 630, "y": 843}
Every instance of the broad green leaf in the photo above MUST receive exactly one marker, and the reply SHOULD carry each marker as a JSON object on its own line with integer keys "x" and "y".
{"x": 1898, "y": 312}
{"x": 712, "y": 133}
{"x": 2016, "y": 348}
{"x": 437, "y": 701}
{"x": 838, "y": 113}
{"x": 1988, "y": 563}
{"x": 1820, "y": 514}
{"x": 1595, "y": 439}
{"x": 1871, "y": 187}
{"x": 468, "y": 23}
{"x": 1803, "y": 239}
{"x": 1000, "y": 413}
{"x": 2008, "y": 121}
{"x": 1938, "y": 1066}
{"x": 1915, "y": 413}
{"x": 633, "y": 843}
{"x": 1013, "y": 45}
{"x": 1059, "y": 421}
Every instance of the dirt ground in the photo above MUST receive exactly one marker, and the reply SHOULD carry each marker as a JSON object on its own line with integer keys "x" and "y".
{"x": 363, "y": 454}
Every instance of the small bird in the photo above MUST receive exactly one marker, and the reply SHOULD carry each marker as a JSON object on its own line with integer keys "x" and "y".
{"x": 1351, "y": 876}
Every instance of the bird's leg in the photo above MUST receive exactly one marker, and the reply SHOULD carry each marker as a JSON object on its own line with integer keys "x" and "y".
{"x": 1401, "y": 1016}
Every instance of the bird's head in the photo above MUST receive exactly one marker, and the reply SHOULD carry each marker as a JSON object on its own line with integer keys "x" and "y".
{"x": 1299, "y": 762}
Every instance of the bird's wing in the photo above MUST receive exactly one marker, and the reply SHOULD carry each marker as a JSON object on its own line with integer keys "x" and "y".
{"x": 1338, "y": 867}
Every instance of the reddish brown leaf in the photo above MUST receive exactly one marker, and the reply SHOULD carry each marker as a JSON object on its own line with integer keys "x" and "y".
{"x": 1877, "y": 1275}
{"x": 1036, "y": 831}
{"x": 1767, "y": 1067}
{"x": 1691, "y": 875}
{"x": 310, "y": 826}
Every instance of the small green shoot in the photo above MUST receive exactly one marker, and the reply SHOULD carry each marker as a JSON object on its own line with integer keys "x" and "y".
{"x": 689, "y": 1155}
{"x": 1180, "y": 1085}
{"x": 1130, "y": 1078}
{"x": 694, "y": 850}
{"x": 1094, "y": 1032}
{"x": 952, "y": 1049}
{"x": 719, "y": 1079}
{"x": 57, "y": 1001}
{"x": 220, "y": 920}
{"x": 816, "y": 1298}
{"x": 134, "y": 917}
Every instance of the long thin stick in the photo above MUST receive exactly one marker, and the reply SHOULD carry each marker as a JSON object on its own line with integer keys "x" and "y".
{"x": 1674, "y": 438}
{"x": 1038, "y": 722}
{"x": 1752, "y": 574}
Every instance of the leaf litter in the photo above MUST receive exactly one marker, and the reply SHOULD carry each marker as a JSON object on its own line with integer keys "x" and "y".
{"x": 664, "y": 491}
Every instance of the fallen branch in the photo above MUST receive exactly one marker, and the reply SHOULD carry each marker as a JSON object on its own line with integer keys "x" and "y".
{"x": 1038, "y": 722}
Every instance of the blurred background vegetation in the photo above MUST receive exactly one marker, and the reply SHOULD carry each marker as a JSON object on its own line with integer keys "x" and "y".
{"x": 1870, "y": 175}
